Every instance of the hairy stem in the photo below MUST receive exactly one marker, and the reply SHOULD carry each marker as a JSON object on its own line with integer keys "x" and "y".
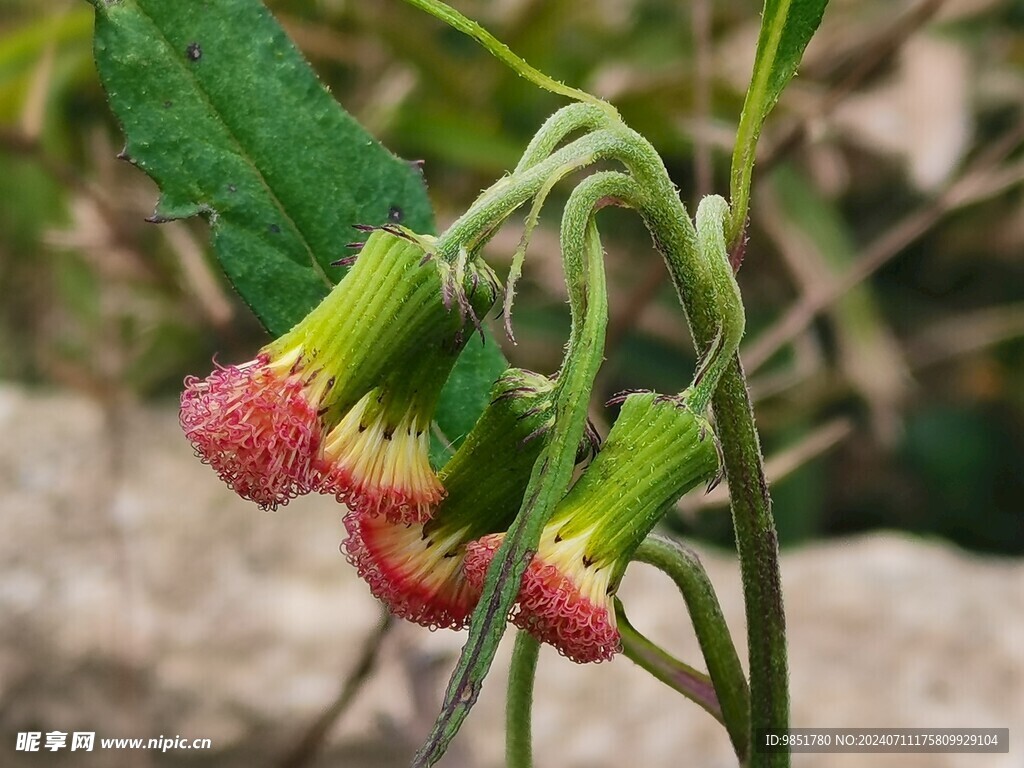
{"x": 519, "y": 701}
{"x": 683, "y": 566}
{"x": 698, "y": 285}
{"x": 503, "y": 197}
{"x": 502, "y": 52}
{"x": 758, "y": 547}
{"x": 585, "y": 279}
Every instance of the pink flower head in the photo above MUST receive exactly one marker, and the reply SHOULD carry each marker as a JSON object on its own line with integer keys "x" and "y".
{"x": 657, "y": 449}
{"x": 564, "y": 599}
{"x": 256, "y": 424}
{"x": 262, "y": 425}
{"x": 415, "y": 571}
{"x": 379, "y": 465}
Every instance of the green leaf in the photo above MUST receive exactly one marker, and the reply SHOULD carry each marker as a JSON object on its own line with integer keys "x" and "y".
{"x": 222, "y": 111}
{"x": 786, "y": 28}
{"x": 466, "y": 393}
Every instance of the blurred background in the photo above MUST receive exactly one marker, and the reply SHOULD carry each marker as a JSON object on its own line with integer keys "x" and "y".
{"x": 883, "y": 279}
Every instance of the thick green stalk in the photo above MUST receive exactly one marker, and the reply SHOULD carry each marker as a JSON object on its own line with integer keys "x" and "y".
{"x": 699, "y": 286}
{"x": 758, "y": 546}
{"x": 684, "y": 568}
{"x": 519, "y": 701}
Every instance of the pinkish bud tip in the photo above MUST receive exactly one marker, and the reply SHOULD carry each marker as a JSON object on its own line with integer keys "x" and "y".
{"x": 566, "y": 608}
{"x": 418, "y": 576}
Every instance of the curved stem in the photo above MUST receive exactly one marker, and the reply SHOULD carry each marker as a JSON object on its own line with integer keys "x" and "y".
{"x": 682, "y": 565}
{"x": 516, "y": 269}
{"x": 756, "y": 539}
{"x": 556, "y": 128}
{"x": 712, "y": 214}
{"x": 499, "y": 50}
{"x": 677, "y": 675}
{"x": 502, "y": 198}
{"x": 519, "y": 701}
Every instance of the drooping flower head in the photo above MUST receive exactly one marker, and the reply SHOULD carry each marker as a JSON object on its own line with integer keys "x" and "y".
{"x": 416, "y": 568}
{"x": 657, "y": 450}
{"x": 377, "y": 458}
{"x": 262, "y": 425}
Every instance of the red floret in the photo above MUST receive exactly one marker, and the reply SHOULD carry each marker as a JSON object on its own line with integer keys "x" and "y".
{"x": 417, "y": 575}
{"x": 554, "y": 606}
{"x": 255, "y": 426}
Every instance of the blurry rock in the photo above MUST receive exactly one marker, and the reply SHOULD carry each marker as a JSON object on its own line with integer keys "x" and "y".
{"x": 139, "y": 598}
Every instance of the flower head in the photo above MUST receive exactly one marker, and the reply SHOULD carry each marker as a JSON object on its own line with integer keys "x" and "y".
{"x": 377, "y": 459}
{"x": 656, "y": 451}
{"x": 263, "y": 425}
{"x": 564, "y": 599}
{"x": 416, "y": 572}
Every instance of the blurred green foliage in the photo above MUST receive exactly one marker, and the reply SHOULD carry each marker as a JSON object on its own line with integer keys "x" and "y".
{"x": 916, "y": 376}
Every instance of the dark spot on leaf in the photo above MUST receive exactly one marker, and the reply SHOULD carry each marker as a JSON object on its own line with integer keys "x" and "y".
{"x": 168, "y": 104}
{"x": 194, "y": 52}
{"x": 274, "y": 229}
{"x": 395, "y": 214}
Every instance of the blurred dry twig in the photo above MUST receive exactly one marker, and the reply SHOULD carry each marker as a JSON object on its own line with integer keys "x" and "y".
{"x": 306, "y": 747}
{"x": 985, "y": 177}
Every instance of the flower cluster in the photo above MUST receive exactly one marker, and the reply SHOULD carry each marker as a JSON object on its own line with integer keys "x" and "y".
{"x": 342, "y": 404}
